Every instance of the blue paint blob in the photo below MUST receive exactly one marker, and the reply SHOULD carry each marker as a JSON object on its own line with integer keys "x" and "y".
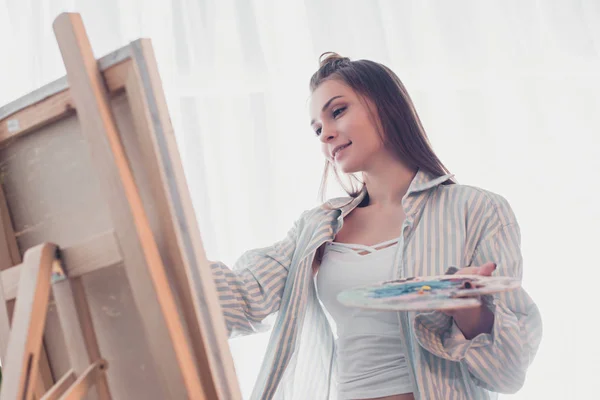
{"x": 414, "y": 287}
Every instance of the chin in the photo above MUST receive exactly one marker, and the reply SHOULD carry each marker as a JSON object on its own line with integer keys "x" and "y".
{"x": 348, "y": 168}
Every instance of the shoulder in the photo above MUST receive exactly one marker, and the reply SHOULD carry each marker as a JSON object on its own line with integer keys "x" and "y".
{"x": 324, "y": 210}
{"x": 336, "y": 203}
{"x": 477, "y": 200}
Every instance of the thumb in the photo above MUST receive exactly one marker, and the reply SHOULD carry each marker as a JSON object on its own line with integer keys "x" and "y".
{"x": 487, "y": 269}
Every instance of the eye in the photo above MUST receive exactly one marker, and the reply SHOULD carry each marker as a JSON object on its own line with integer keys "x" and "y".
{"x": 338, "y": 111}
{"x": 318, "y": 131}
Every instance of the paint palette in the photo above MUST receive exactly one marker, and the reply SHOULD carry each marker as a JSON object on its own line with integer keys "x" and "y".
{"x": 430, "y": 293}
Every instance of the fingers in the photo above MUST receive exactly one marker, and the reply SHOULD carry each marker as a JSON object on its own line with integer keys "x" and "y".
{"x": 468, "y": 271}
{"x": 451, "y": 271}
{"x": 486, "y": 270}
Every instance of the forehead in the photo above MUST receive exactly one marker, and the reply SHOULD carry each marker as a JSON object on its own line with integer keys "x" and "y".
{"x": 325, "y": 92}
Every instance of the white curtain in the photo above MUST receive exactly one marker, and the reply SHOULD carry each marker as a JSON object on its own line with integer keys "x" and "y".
{"x": 508, "y": 92}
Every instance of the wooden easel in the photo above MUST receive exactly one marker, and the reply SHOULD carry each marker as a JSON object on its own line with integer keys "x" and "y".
{"x": 40, "y": 268}
{"x": 124, "y": 230}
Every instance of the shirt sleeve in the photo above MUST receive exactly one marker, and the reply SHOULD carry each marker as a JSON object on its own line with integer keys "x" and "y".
{"x": 497, "y": 361}
{"x": 251, "y": 290}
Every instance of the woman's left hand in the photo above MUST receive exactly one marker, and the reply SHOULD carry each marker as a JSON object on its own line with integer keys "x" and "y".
{"x": 474, "y": 321}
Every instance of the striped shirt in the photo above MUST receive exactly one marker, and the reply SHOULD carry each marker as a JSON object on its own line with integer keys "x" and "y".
{"x": 445, "y": 225}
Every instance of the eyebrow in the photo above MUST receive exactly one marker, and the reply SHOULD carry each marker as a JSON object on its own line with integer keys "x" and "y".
{"x": 312, "y": 121}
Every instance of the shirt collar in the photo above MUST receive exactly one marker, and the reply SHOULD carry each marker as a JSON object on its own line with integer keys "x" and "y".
{"x": 422, "y": 181}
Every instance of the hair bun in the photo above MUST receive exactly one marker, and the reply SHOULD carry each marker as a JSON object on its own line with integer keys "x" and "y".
{"x": 330, "y": 63}
{"x": 331, "y": 57}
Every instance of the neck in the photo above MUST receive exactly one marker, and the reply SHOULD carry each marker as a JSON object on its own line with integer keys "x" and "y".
{"x": 388, "y": 185}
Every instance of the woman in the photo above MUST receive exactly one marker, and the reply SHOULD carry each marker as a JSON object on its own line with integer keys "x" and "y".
{"x": 407, "y": 218}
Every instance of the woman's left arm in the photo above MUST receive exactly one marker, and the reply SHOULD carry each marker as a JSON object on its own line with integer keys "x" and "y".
{"x": 510, "y": 327}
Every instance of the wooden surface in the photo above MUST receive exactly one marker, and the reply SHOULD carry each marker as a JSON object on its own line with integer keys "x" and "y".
{"x": 51, "y": 187}
{"x": 78, "y": 327}
{"x": 105, "y": 64}
{"x": 9, "y": 251}
{"x": 61, "y": 386}
{"x": 53, "y": 100}
{"x": 48, "y": 111}
{"x": 193, "y": 277}
{"x": 9, "y": 256}
{"x": 25, "y": 344}
{"x": 150, "y": 286}
{"x": 66, "y": 308}
{"x": 85, "y": 381}
{"x": 4, "y": 325}
{"x": 54, "y": 107}
{"x": 99, "y": 252}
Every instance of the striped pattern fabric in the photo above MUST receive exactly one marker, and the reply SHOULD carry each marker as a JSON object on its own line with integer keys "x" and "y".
{"x": 446, "y": 225}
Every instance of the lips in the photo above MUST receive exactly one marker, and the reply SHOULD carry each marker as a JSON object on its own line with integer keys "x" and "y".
{"x": 338, "y": 148}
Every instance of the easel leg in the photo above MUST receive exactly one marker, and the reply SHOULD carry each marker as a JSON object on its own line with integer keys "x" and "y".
{"x": 25, "y": 343}
{"x": 61, "y": 386}
{"x": 10, "y": 256}
{"x": 76, "y": 321}
{"x": 44, "y": 380}
{"x": 4, "y": 324}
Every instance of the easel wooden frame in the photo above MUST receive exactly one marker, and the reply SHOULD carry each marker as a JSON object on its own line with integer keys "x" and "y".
{"x": 41, "y": 265}
{"x": 184, "y": 295}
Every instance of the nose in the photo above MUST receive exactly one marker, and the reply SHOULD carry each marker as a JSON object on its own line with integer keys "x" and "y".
{"x": 327, "y": 134}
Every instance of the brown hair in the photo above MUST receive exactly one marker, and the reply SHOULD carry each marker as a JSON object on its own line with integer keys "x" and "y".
{"x": 403, "y": 132}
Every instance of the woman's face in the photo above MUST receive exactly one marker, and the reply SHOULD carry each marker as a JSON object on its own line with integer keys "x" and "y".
{"x": 347, "y": 131}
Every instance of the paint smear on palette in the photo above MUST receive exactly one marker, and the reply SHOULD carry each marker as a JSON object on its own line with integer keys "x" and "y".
{"x": 427, "y": 293}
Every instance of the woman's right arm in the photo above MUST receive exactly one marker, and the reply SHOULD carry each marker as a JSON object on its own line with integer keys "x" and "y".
{"x": 252, "y": 290}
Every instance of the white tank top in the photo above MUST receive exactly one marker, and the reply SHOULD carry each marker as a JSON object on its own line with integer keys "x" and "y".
{"x": 369, "y": 353}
